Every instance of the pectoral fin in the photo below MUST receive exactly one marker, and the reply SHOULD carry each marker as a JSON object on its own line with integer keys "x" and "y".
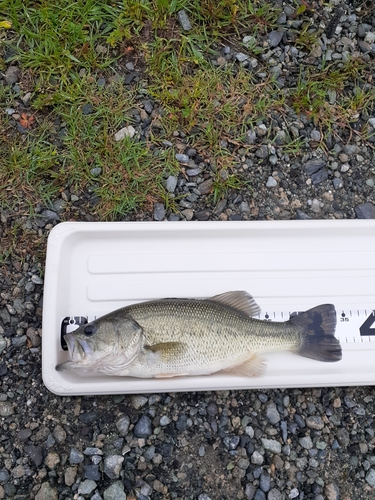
{"x": 252, "y": 367}
{"x": 167, "y": 350}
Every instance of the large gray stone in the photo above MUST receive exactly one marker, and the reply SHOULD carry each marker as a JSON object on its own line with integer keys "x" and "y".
{"x": 365, "y": 211}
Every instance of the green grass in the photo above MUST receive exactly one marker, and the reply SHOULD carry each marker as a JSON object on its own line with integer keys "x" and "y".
{"x": 63, "y": 47}
{"x": 311, "y": 95}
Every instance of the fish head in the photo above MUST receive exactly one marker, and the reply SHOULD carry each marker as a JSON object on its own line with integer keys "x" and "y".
{"x": 103, "y": 344}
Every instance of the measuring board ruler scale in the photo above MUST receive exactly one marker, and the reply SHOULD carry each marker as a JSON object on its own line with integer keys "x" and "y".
{"x": 355, "y": 328}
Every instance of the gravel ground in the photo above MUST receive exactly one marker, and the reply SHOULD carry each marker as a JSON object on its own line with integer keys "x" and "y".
{"x": 264, "y": 445}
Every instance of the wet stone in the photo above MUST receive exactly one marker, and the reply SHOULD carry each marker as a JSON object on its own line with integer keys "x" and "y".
{"x": 315, "y": 135}
{"x": 59, "y": 434}
{"x": 319, "y": 176}
{"x": 52, "y": 459}
{"x": 115, "y": 492}
{"x": 30, "y": 287}
{"x": 332, "y": 492}
{"x": 271, "y": 182}
{"x": 257, "y": 458}
{"x": 241, "y": 57}
{"x": 271, "y": 445}
{"x": 338, "y": 183}
{"x": 143, "y": 428}
{"x": 139, "y": 401}
{"x": 113, "y": 465}
{"x": 250, "y": 490}
{"x": 343, "y": 437}
{"x": 202, "y": 215}
{"x": 231, "y": 442}
{"x": 206, "y": 186}
{"x": 182, "y": 158}
{"x": 265, "y": 481}
{"x": 125, "y": 132}
{"x": 75, "y": 457}
{"x": 87, "y": 109}
{"x": 182, "y": 422}
{"x": 315, "y": 422}
{"x": 370, "y": 477}
{"x": 92, "y": 472}
{"x": 164, "y": 420}
{"x": 262, "y": 152}
{"x": 46, "y": 492}
{"x": 88, "y": 418}
{"x": 70, "y": 475}
{"x": 19, "y": 341}
{"x": 272, "y": 414}
{"x": 250, "y": 137}
{"x": 306, "y": 442}
{"x": 91, "y": 450}
{"x": 4, "y": 475}
{"x": 365, "y": 211}
{"x": 96, "y": 171}
{"x": 171, "y": 184}
{"x": 35, "y": 453}
{"x": 159, "y": 211}
{"x": 260, "y": 495}
{"x": 299, "y": 421}
{"x": 12, "y": 75}
{"x": 212, "y": 408}
{"x": 294, "y": 493}
{"x": 274, "y": 494}
{"x": 123, "y": 425}
{"x": 86, "y": 487}
{"x": 284, "y": 430}
{"x": 275, "y": 37}
{"x": 312, "y": 166}
{"x": 184, "y": 20}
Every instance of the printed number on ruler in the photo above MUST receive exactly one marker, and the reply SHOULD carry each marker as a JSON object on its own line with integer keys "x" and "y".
{"x": 356, "y": 326}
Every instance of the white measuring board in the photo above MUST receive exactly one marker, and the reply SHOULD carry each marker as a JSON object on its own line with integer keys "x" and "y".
{"x": 288, "y": 266}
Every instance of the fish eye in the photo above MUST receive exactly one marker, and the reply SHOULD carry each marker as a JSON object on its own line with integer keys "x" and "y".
{"x": 89, "y": 330}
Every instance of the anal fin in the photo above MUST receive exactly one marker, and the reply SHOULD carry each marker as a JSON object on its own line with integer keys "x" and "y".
{"x": 252, "y": 367}
{"x": 170, "y": 375}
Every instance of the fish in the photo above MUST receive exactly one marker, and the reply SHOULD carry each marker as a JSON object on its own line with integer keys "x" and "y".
{"x": 189, "y": 337}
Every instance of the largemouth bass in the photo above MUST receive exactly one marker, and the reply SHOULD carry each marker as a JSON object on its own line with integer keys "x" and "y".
{"x": 177, "y": 337}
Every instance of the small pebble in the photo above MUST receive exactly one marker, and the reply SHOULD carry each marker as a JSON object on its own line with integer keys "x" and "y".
{"x": 271, "y": 183}
{"x": 171, "y": 184}
{"x": 182, "y": 158}
{"x": 86, "y": 487}
{"x": 115, "y": 492}
{"x": 113, "y": 465}
{"x": 143, "y": 428}
{"x": 159, "y": 211}
{"x": 125, "y": 132}
{"x": 184, "y": 20}
{"x": 271, "y": 445}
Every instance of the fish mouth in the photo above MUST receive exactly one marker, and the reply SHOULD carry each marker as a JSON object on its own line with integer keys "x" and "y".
{"x": 78, "y": 348}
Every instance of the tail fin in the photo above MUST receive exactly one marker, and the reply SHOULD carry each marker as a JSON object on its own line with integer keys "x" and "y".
{"x": 319, "y": 325}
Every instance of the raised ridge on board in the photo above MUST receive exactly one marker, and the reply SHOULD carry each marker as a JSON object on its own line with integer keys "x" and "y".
{"x": 276, "y": 261}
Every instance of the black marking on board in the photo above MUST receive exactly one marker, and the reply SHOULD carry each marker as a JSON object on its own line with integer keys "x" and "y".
{"x": 365, "y": 329}
{"x": 69, "y": 324}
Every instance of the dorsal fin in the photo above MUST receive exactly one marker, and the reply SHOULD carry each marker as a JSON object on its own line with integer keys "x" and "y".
{"x": 240, "y": 300}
